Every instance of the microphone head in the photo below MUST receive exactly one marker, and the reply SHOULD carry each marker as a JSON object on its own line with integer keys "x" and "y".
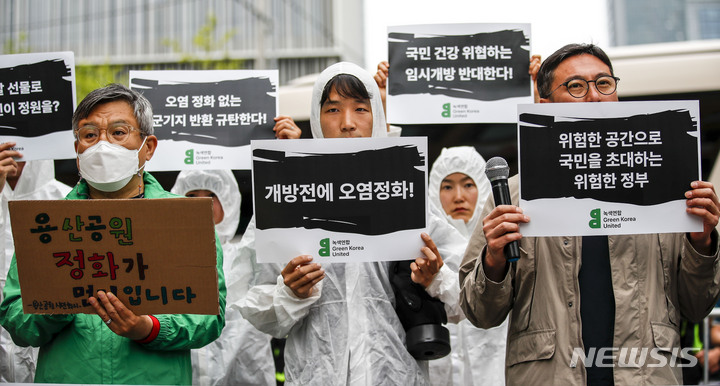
{"x": 497, "y": 168}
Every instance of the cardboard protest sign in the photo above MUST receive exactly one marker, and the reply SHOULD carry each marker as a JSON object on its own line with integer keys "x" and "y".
{"x": 608, "y": 168}
{"x": 458, "y": 73}
{"x": 158, "y": 256}
{"x": 37, "y": 100}
{"x": 206, "y": 119}
{"x": 340, "y": 200}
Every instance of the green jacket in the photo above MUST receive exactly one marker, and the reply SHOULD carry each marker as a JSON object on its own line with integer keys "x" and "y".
{"x": 81, "y": 349}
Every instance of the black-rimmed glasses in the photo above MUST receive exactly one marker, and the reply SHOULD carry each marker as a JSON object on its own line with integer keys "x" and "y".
{"x": 579, "y": 87}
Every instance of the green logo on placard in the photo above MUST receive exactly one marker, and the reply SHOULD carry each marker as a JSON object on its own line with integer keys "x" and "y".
{"x": 595, "y": 218}
{"x": 325, "y": 250}
{"x": 190, "y": 159}
{"x": 446, "y": 110}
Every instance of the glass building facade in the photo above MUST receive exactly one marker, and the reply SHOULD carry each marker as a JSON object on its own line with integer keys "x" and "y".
{"x": 661, "y": 21}
{"x": 297, "y": 37}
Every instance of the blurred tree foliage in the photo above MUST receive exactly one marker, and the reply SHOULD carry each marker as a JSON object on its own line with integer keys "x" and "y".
{"x": 206, "y": 41}
{"x": 18, "y": 46}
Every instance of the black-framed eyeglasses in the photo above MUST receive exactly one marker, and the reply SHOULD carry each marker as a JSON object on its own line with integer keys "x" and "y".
{"x": 579, "y": 87}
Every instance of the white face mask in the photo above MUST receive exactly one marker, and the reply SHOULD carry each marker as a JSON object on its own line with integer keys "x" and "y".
{"x": 108, "y": 167}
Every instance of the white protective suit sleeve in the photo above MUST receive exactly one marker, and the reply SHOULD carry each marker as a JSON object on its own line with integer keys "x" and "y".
{"x": 223, "y": 184}
{"x": 37, "y": 182}
{"x": 270, "y": 305}
{"x": 242, "y": 354}
{"x": 478, "y": 355}
{"x": 466, "y": 160}
{"x": 451, "y": 245}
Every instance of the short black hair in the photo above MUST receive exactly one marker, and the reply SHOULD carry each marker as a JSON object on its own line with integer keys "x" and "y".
{"x": 347, "y": 86}
{"x": 547, "y": 68}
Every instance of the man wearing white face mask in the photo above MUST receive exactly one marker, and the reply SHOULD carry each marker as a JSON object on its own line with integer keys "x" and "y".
{"x": 113, "y": 129}
{"x": 109, "y": 166}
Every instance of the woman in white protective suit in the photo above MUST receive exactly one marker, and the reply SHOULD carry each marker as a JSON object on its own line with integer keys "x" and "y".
{"x": 242, "y": 354}
{"x": 339, "y": 319}
{"x": 457, "y": 184}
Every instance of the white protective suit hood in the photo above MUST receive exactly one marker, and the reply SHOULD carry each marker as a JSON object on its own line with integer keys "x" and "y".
{"x": 225, "y": 187}
{"x": 36, "y": 174}
{"x": 379, "y": 125}
{"x": 478, "y": 355}
{"x": 466, "y": 160}
{"x": 347, "y": 331}
{"x": 241, "y": 355}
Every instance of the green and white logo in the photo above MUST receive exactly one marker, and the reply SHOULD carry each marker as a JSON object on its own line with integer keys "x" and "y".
{"x": 595, "y": 218}
{"x": 325, "y": 250}
{"x": 190, "y": 159}
{"x": 446, "y": 110}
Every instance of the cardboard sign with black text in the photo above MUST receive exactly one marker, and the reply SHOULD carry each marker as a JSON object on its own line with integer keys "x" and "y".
{"x": 608, "y": 168}
{"x": 158, "y": 256}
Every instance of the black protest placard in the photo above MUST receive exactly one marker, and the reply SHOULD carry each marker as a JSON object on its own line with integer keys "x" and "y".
{"x": 483, "y": 66}
{"x": 225, "y": 113}
{"x": 369, "y": 192}
{"x": 641, "y": 159}
{"x": 457, "y": 73}
{"x": 613, "y": 168}
{"x": 37, "y": 100}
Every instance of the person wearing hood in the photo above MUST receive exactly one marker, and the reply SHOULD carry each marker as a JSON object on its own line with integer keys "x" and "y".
{"x": 242, "y": 354}
{"x": 339, "y": 319}
{"x": 458, "y": 186}
{"x": 30, "y": 180}
{"x": 113, "y": 127}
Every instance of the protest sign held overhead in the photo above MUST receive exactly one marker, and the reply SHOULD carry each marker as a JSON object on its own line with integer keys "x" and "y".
{"x": 458, "y": 73}
{"x": 206, "y": 119}
{"x": 339, "y": 200}
{"x": 608, "y": 168}
{"x": 158, "y": 256}
{"x": 37, "y": 100}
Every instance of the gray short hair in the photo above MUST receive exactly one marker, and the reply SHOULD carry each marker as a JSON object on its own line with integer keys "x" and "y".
{"x": 114, "y": 92}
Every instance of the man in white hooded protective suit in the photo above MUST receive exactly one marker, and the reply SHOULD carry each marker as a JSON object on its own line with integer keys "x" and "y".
{"x": 339, "y": 319}
{"x": 31, "y": 180}
{"x": 242, "y": 354}
{"x": 457, "y": 185}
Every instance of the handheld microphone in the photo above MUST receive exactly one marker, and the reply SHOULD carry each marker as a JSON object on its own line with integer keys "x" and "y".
{"x": 497, "y": 171}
